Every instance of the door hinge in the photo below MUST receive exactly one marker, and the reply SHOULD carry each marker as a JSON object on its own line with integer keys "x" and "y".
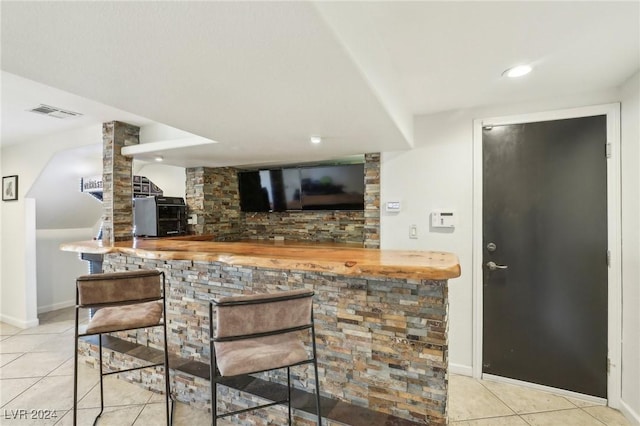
{"x": 609, "y": 258}
{"x": 608, "y": 365}
{"x": 608, "y": 149}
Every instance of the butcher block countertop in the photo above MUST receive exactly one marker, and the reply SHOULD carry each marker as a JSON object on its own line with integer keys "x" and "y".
{"x": 342, "y": 259}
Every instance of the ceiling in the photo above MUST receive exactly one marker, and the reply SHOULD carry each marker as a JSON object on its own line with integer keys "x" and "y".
{"x": 259, "y": 78}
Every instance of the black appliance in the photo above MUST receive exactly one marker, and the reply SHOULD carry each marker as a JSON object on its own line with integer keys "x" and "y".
{"x": 159, "y": 216}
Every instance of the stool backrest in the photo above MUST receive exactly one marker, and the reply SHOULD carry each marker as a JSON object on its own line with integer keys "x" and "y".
{"x": 119, "y": 287}
{"x": 262, "y": 313}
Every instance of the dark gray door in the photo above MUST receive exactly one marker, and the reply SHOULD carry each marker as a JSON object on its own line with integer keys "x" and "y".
{"x": 545, "y": 211}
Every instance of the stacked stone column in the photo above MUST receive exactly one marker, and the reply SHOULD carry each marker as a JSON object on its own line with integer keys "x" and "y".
{"x": 212, "y": 194}
{"x": 372, "y": 200}
{"x": 117, "y": 195}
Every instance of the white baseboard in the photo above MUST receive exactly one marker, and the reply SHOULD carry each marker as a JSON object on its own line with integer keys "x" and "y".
{"x": 56, "y": 306}
{"x": 629, "y": 413}
{"x": 18, "y": 322}
{"x": 556, "y": 391}
{"x": 463, "y": 370}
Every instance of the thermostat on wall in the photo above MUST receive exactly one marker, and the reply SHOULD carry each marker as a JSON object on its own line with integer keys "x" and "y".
{"x": 393, "y": 206}
{"x": 443, "y": 219}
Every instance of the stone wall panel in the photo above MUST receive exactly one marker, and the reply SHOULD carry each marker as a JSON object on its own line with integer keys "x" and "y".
{"x": 212, "y": 194}
{"x": 381, "y": 342}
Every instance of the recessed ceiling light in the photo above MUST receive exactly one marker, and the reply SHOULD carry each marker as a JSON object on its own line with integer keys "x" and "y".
{"x": 517, "y": 71}
{"x": 159, "y": 158}
{"x": 315, "y": 139}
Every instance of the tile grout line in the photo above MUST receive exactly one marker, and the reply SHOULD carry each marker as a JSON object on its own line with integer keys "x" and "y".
{"x": 29, "y": 387}
{"x": 491, "y": 393}
{"x": 63, "y": 416}
{"x": 597, "y": 419}
{"x": 21, "y": 355}
{"x": 495, "y": 395}
{"x": 560, "y": 410}
{"x": 53, "y": 335}
{"x": 575, "y": 407}
{"x": 525, "y": 420}
{"x": 539, "y": 411}
{"x": 139, "y": 414}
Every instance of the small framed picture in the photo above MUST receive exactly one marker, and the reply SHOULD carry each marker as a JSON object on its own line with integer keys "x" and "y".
{"x": 10, "y": 188}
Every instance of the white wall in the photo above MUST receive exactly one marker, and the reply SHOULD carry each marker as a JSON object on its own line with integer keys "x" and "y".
{"x": 630, "y": 167}
{"x": 59, "y": 202}
{"x": 171, "y": 179}
{"x": 56, "y": 269}
{"x": 18, "y": 300}
{"x": 1, "y": 239}
{"x": 437, "y": 174}
{"x": 32, "y": 277}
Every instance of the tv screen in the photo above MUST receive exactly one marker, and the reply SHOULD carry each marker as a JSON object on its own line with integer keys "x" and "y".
{"x": 253, "y": 195}
{"x": 306, "y": 188}
{"x": 269, "y": 190}
{"x": 333, "y": 187}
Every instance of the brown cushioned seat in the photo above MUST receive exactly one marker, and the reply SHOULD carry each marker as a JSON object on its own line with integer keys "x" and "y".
{"x": 258, "y": 354}
{"x": 140, "y": 315}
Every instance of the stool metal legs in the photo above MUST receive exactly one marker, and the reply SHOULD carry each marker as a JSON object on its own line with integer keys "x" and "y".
{"x": 169, "y": 411}
{"x": 289, "y": 391}
{"x": 101, "y": 376}
{"x": 75, "y": 374}
{"x": 315, "y": 371}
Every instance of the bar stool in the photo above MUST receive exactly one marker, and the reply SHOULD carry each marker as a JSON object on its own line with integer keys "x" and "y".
{"x": 123, "y": 301}
{"x": 259, "y": 333}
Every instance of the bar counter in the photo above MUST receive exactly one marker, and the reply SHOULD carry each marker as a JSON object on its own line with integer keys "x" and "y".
{"x": 381, "y": 315}
{"x": 344, "y": 259}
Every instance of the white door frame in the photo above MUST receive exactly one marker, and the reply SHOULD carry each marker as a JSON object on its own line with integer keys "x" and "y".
{"x": 614, "y": 329}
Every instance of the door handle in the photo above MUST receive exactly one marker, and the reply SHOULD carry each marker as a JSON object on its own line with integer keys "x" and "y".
{"x": 493, "y": 266}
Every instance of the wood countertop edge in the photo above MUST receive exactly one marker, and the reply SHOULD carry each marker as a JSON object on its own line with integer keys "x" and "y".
{"x": 342, "y": 267}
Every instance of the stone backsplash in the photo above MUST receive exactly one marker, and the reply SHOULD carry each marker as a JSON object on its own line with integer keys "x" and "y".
{"x": 212, "y": 194}
{"x": 334, "y": 226}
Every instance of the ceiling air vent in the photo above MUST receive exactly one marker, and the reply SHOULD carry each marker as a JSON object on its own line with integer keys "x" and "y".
{"x": 54, "y": 112}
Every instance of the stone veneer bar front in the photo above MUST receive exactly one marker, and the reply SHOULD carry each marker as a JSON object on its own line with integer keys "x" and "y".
{"x": 381, "y": 315}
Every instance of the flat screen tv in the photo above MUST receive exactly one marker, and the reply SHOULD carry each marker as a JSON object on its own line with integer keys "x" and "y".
{"x": 332, "y": 187}
{"x": 269, "y": 190}
{"x": 304, "y": 188}
{"x": 253, "y": 196}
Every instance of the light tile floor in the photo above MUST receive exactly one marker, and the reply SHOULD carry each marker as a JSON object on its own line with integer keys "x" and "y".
{"x": 484, "y": 403}
{"x": 36, "y": 381}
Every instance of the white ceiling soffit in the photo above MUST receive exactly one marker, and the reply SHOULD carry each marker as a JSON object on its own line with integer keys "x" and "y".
{"x": 433, "y": 56}
{"x": 258, "y": 77}
{"x": 150, "y": 150}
